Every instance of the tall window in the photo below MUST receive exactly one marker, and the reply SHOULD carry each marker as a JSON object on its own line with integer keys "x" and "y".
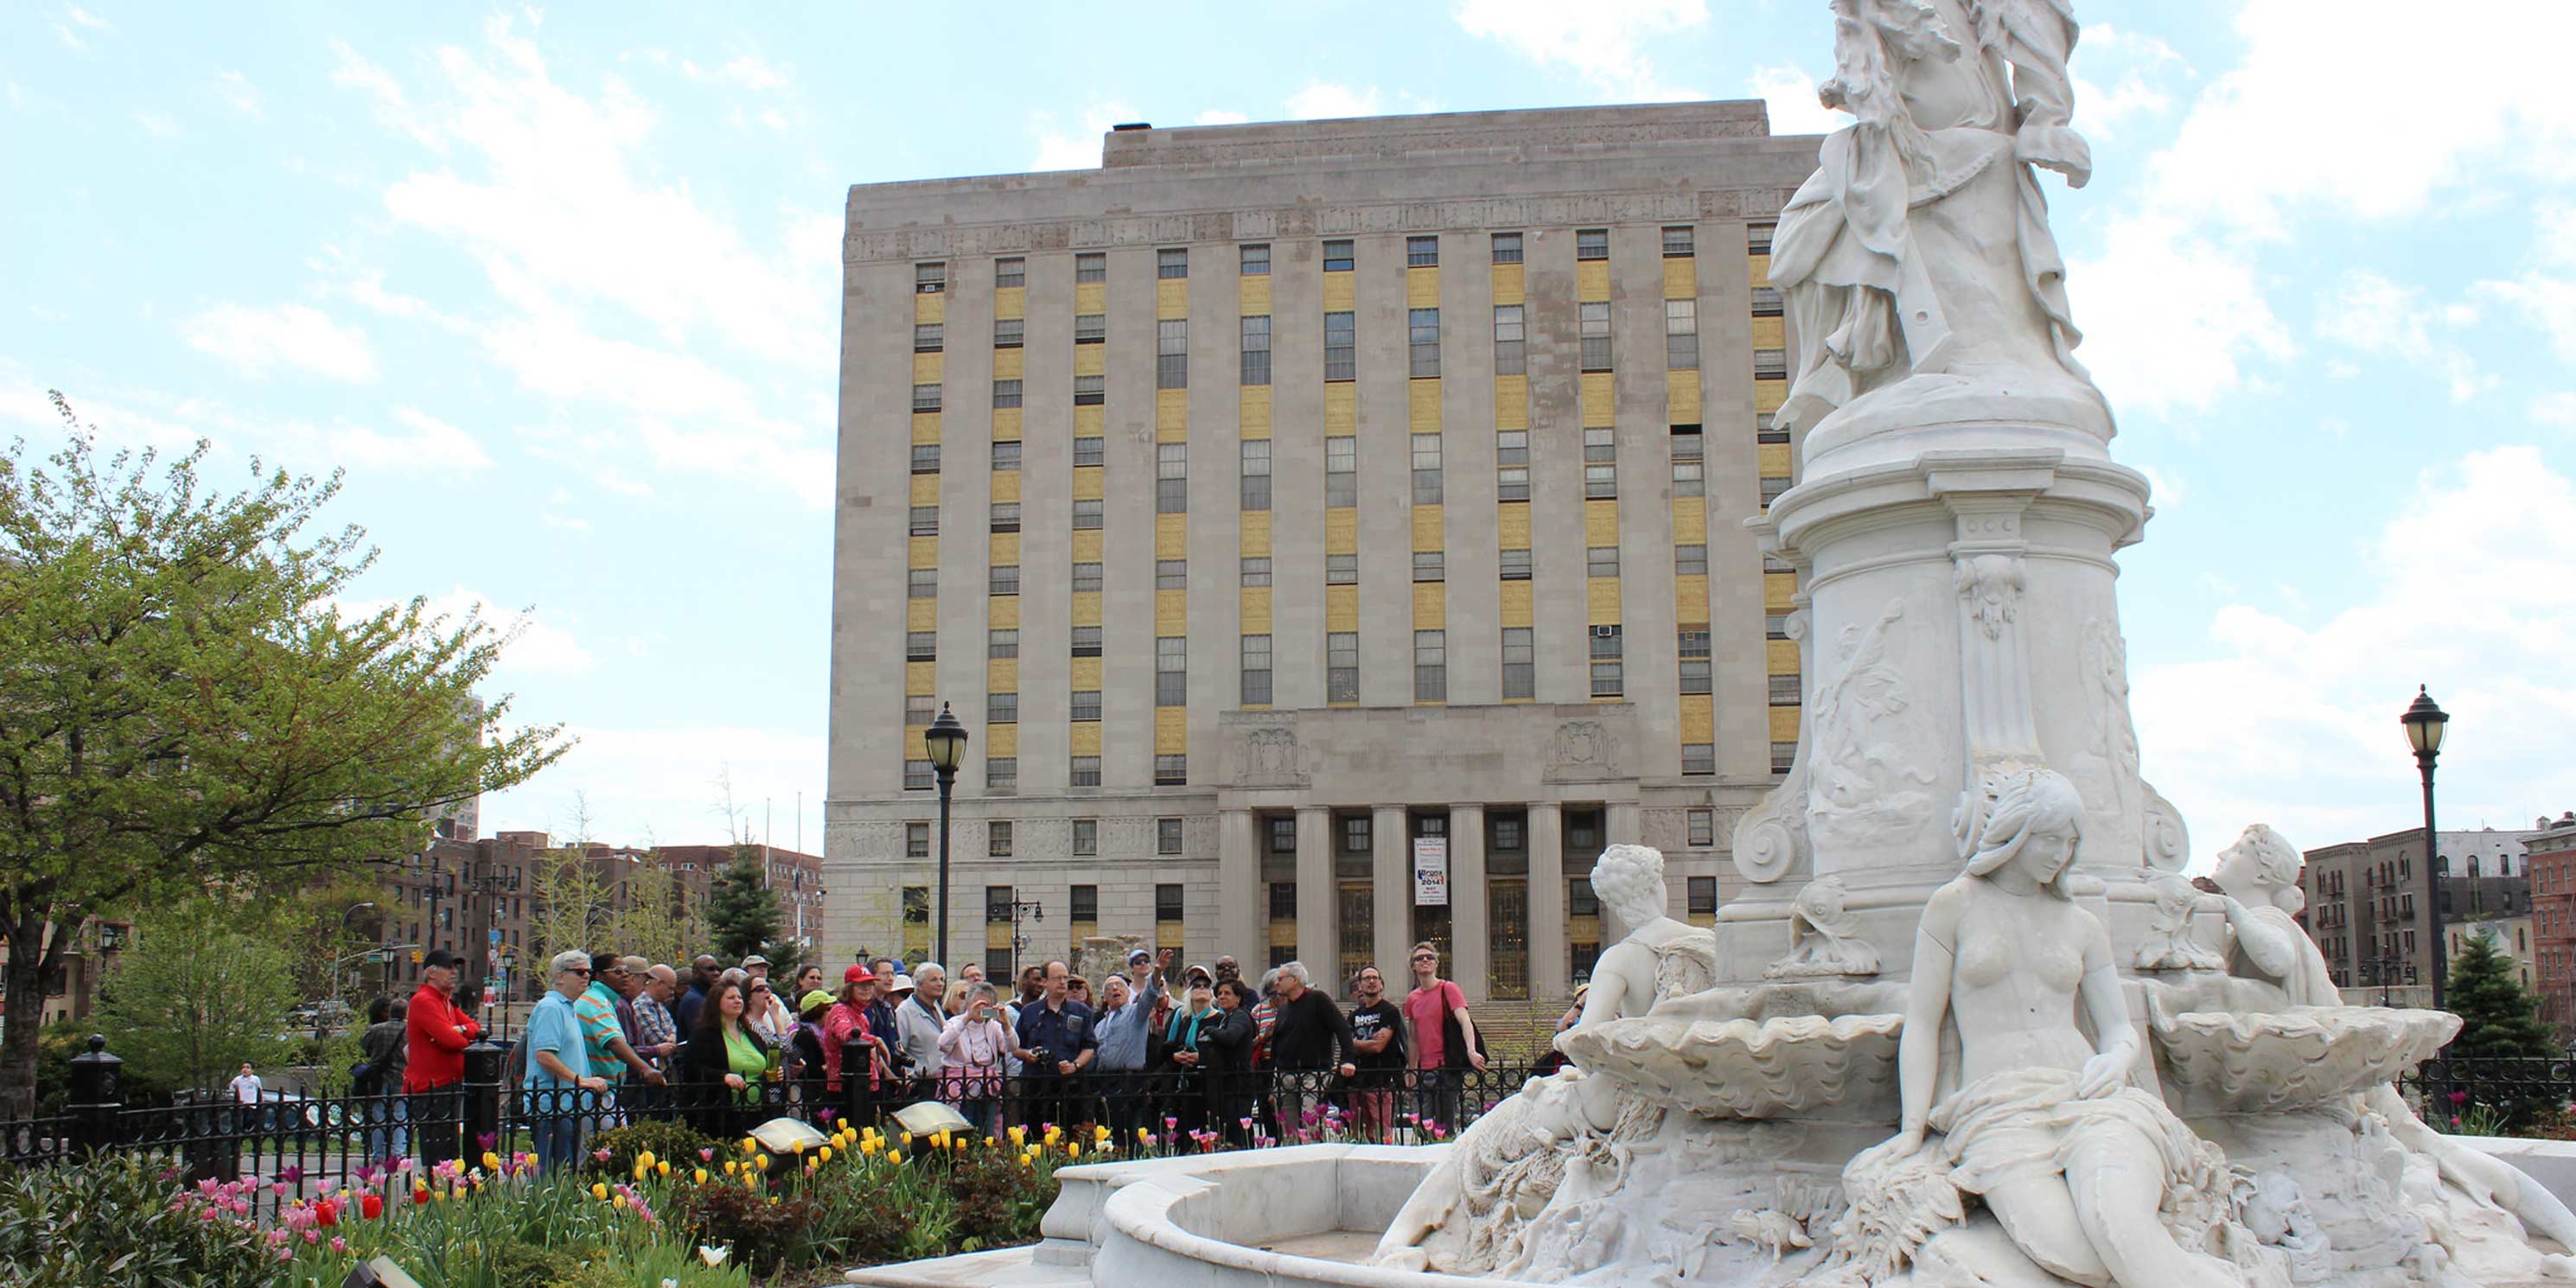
{"x": 1681, "y": 335}
{"x": 1256, "y": 349}
{"x": 1009, "y": 333}
{"x": 925, "y": 458}
{"x": 1695, "y": 658}
{"x": 1171, "y": 574}
{"x": 1090, "y": 328}
{"x": 1423, "y": 327}
{"x": 1592, "y": 243}
{"x": 1510, "y": 332}
{"x": 920, "y": 646}
{"x": 1784, "y": 690}
{"x": 925, "y": 398}
{"x": 1515, "y": 563}
{"x": 916, "y": 775}
{"x": 1595, "y": 316}
{"x": 1172, "y": 353}
{"x": 1600, "y": 463}
{"x": 1002, "y": 708}
{"x": 1001, "y": 773}
{"x": 1422, "y": 252}
{"x": 1678, "y": 241}
{"x": 925, "y": 520}
{"x": 1337, "y": 256}
{"x": 916, "y": 840}
{"x": 1256, "y": 670}
{"x": 1601, "y": 561}
{"x": 1342, "y": 666}
{"x": 1006, "y": 454}
{"x": 1256, "y": 259}
{"x": 1256, "y": 570}
{"x": 1086, "y": 641}
{"x": 1090, "y": 391}
{"x": 1171, "y": 478}
{"x": 927, "y": 337}
{"x": 1002, "y": 644}
{"x": 1507, "y": 248}
{"x": 1341, "y": 471}
{"x": 930, "y": 279}
{"x": 1520, "y": 662}
{"x": 1171, "y": 670}
{"x": 1426, "y": 469}
{"x": 1172, "y": 261}
{"x": 1608, "y": 678}
{"x": 1171, "y": 771}
{"x": 1689, "y": 461}
{"x": 920, "y": 708}
{"x": 1010, "y": 272}
{"x": 1088, "y": 514}
{"x": 1340, "y": 343}
{"x": 1431, "y": 666}
{"x": 1086, "y": 836}
{"x": 923, "y": 583}
{"x": 1511, "y": 457}
{"x": 1167, "y": 836}
{"x": 1430, "y": 565}
{"x": 1086, "y": 706}
{"x": 1091, "y": 266}
{"x": 1082, "y": 903}
{"x": 1690, "y": 561}
{"x": 1006, "y": 579}
{"x": 1256, "y": 474}
{"x": 1342, "y": 570}
{"x": 1006, "y": 393}
{"x": 1090, "y": 450}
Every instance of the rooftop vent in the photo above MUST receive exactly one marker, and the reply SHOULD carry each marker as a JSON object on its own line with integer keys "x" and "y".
{"x": 1132, "y": 125}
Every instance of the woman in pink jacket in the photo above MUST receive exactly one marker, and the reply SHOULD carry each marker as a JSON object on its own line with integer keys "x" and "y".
{"x": 973, "y": 1043}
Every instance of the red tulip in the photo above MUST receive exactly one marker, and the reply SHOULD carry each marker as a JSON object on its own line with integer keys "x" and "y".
{"x": 371, "y": 1206}
{"x": 326, "y": 1213}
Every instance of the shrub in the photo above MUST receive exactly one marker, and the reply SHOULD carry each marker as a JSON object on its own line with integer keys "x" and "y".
{"x": 527, "y": 1265}
{"x": 760, "y": 1232}
{"x": 111, "y": 1221}
{"x": 672, "y": 1142}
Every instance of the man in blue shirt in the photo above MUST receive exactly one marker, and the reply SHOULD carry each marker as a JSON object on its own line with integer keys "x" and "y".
{"x": 559, "y": 1064}
{"x": 1126, "y": 1014}
{"x": 1056, "y": 1048}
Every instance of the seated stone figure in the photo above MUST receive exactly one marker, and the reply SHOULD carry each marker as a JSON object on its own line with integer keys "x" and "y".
{"x": 2091, "y": 1179}
{"x": 1567, "y": 1136}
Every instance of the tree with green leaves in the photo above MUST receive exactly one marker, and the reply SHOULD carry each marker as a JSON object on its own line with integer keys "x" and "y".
{"x": 2499, "y": 1022}
{"x": 185, "y": 705}
{"x": 204, "y": 990}
{"x": 742, "y": 914}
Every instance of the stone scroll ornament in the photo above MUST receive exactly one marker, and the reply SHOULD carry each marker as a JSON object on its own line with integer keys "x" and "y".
{"x": 1824, "y": 936}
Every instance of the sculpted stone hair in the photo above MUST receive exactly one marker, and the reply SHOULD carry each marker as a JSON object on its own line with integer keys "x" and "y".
{"x": 1630, "y": 876}
{"x": 2025, "y": 803}
{"x": 2279, "y": 862}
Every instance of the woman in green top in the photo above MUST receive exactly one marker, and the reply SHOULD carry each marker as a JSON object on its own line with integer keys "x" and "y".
{"x": 724, "y": 1061}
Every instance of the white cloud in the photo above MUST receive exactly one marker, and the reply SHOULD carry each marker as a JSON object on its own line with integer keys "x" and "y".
{"x": 531, "y": 646}
{"x": 258, "y": 341}
{"x": 238, "y": 93}
{"x": 1219, "y": 116}
{"x": 2555, "y": 409}
{"x": 1604, "y": 42}
{"x": 87, "y": 19}
{"x": 1077, "y": 148}
{"x": 160, "y": 125}
{"x": 2152, "y": 336}
{"x": 2375, "y": 315}
{"x": 751, "y": 73}
{"x": 2545, "y": 292}
{"x": 2310, "y": 741}
{"x": 1788, "y": 93}
{"x": 1325, "y": 100}
{"x": 566, "y": 522}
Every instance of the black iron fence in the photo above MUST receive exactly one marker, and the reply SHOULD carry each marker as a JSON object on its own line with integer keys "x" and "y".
{"x": 300, "y": 1146}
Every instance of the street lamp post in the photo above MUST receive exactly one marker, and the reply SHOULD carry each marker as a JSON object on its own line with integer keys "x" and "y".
{"x": 945, "y": 743}
{"x": 2424, "y": 722}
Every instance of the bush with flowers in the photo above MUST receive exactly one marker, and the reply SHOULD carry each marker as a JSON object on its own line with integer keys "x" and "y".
{"x": 120, "y": 1220}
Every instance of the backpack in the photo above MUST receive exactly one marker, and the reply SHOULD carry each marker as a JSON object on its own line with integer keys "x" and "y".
{"x": 1453, "y": 1044}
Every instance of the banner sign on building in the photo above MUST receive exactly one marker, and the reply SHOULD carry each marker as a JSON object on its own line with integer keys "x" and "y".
{"x": 1431, "y": 872}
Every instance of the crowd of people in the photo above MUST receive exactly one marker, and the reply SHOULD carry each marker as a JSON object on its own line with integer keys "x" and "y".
{"x": 620, "y": 1038}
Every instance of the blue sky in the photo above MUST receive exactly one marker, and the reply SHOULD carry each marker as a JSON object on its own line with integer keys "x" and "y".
{"x": 557, "y": 288}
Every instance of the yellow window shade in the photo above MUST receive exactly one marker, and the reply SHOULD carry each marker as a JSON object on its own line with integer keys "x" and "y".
{"x": 1283, "y": 932}
{"x": 1006, "y": 485}
{"x": 1255, "y": 609}
{"x": 997, "y": 935}
{"x": 1422, "y": 288}
{"x": 1430, "y": 606}
{"x": 921, "y": 614}
{"x": 1757, "y": 269}
{"x": 1088, "y": 481}
{"x": 1600, "y": 523}
{"x": 1006, "y": 424}
{"x": 1171, "y": 731}
{"x": 1699, "y": 718}
{"x": 1780, "y": 657}
{"x": 1592, "y": 280}
{"x": 925, "y": 427}
{"x": 1341, "y": 407}
{"x": 1085, "y": 673}
{"x": 1256, "y": 534}
{"x": 1002, "y": 612}
{"x": 1770, "y": 333}
{"x": 1341, "y": 531}
{"x": 1086, "y": 608}
{"x": 1784, "y": 724}
{"x": 1009, "y": 363}
{"x": 1085, "y": 739}
{"x": 1681, "y": 278}
{"x": 1171, "y": 536}
{"x": 1090, "y": 359}
{"x": 1091, "y": 297}
{"x": 1253, "y": 294}
{"x": 1088, "y": 420}
{"x": 1690, "y": 598}
{"x": 1252, "y": 414}
{"x": 930, "y": 308}
{"x": 1171, "y": 415}
{"x": 1774, "y": 459}
{"x": 925, "y": 489}
{"x": 1769, "y": 394}
{"x": 924, "y": 553}
{"x": 1172, "y": 297}
{"x": 1515, "y": 605}
{"x": 1681, "y": 398}
{"x": 1601, "y": 600}
{"x": 920, "y": 679}
{"x": 927, "y": 366}
{"x": 1422, "y": 405}
{"x": 1339, "y": 292}
{"x": 1509, "y": 287}
{"x": 1779, "y": 591}
{"x": 1171, "y": 612}
{"x": 1002, "y": 675}
{"x": 1690, "y": 520}
{"x": 1002, "y": 739}
{"x": 1512, "y": 525}
{"x": 1426, "y": 527}
{"x": 1088, "y": 545}
{"x": 1600, "y": 399}
{"x": 1010, "y": 301}
{"x": 916, "y": 743}
{"x": 1341, "y": 608}
{"x": 1511, "y": 402}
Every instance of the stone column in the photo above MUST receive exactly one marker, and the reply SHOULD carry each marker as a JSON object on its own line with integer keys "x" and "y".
{"x": 1391, "y": 860}
{"x": 1626, "y": 827}
{"x": 1547, "y": 900}
{"x": 1470, "y": 937}
{"x": 1242, "y": 903}
{"x": 1319, "y": 898}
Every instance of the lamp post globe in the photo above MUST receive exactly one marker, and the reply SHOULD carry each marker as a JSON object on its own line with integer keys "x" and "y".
{"x": 2425, "y": 721}
{"x": 945, "y": 743}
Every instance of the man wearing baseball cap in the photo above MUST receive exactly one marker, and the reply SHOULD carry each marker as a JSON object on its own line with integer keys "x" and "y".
{"x": 436, "y": 1035}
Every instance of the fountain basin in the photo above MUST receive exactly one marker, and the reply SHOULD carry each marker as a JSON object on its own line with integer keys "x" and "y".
{"x": 2261, "y": 1062}
{"x": 1750, "y": 1068}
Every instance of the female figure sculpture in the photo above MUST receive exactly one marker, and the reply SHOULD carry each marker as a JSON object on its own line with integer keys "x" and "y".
{"x": 2080, "y": 1168}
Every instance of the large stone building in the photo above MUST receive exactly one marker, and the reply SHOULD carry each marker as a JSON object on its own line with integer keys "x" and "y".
{"x": 2365, "y": 906}
{"x": 1331, "y": 533}
{"x": 2551, "y": 854}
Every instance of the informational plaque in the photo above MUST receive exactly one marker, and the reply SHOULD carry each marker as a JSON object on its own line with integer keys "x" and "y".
{"x": 1431, "y": 872}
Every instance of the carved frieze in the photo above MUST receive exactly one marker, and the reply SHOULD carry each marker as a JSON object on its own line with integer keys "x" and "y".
{"x": 1583, "y": 751}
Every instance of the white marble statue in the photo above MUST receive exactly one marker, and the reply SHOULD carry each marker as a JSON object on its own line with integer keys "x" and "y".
{"x": 1824, "y": 936}
{"x": 1564, "y": 1140}
{"x": 2169, "y": 944}
{"x": 2092, "y": 1179}
{"x": 1920, "y": 248}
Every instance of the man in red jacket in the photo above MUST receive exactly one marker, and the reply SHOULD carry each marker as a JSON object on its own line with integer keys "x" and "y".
{"x": 436, "y": 1035}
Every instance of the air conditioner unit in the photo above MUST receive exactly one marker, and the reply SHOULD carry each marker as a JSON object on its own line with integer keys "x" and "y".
{"x": 1605, "y": 632}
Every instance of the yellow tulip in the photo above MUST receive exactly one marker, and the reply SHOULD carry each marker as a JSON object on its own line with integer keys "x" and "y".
{"x": 491, "y": 1160}
{"x": 813, "y": 1163}
{"x": 824, "y": 1154}
{"x": 732, "y": 1167}
{"x": 646, "y": 1158}
{"x": 907, "y": 1138}
{"x": 1100, "y": 1132}
{"x": 699, "y": 1176}
{"x": 750, "y": 1146}
{"x": 1018, "y": 1134}
{"x": 663, "y": 1167}
{"x": 1024, "y": 1161}
{"x": 1073, "y": 1149}
{"x": 895, "y": 1156}
{"x": 1142, "y": 1134}
{"x": 639, "y": 1170}
{"x": 868, "y": 1147}
{"x": 773, "y": 1200}
{"x": 599, "y": 1191}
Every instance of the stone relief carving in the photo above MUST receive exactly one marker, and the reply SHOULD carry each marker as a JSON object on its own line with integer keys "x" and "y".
{"x": 2115, "y": 736}
{"x": 1824, "y": 936}
{"x": 1990, "y": 587}
{"x": 2168, "y": 845}
{"x": 1269, "y": 756}
{"x": 1770, "y": 839}
{"x": 1583, "y": 750}
{"x": 1871, "y": 764}
{"x": 2168, "y": 943}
